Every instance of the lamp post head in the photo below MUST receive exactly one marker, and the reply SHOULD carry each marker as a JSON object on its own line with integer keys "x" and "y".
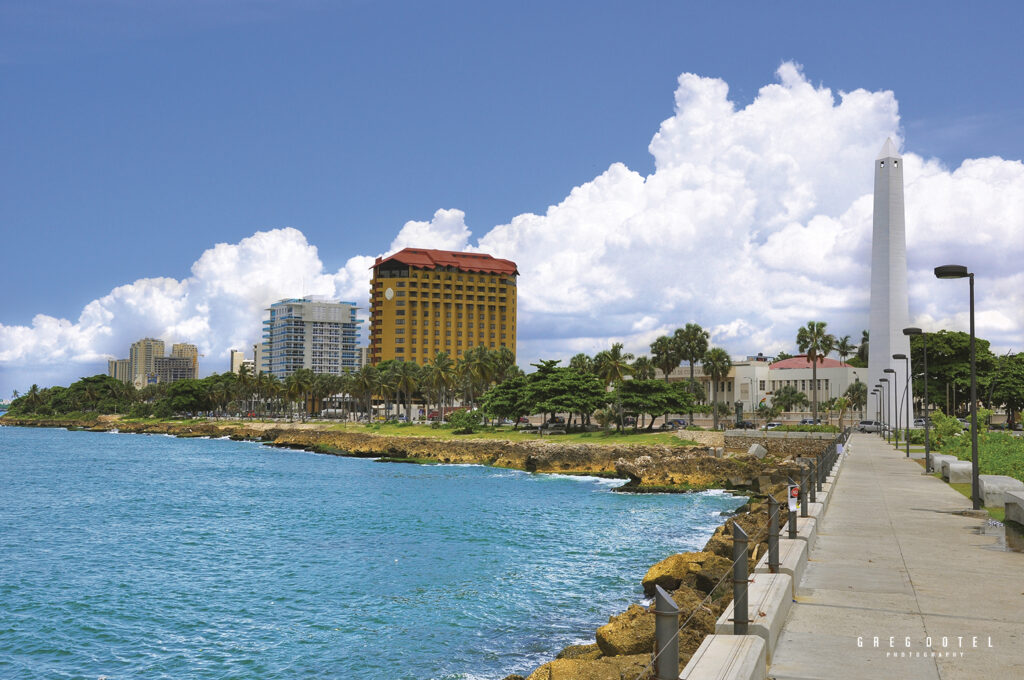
{"x": 899, "y": 356}
{"x": 913, "y": 331}
{"x": 951, "y": 271}
{"x": 888, "y": 370}
{"x": 885, "y": 380}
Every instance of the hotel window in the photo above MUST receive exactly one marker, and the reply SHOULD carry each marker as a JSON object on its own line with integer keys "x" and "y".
{"x": 761, "y": 383}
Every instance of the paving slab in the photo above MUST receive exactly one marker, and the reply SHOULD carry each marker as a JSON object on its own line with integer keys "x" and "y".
{"x": 898, "y": 558}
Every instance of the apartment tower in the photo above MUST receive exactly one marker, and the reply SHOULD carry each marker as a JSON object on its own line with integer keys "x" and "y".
{"x": 316, "y": 334}
{"x": 426, "y": 301}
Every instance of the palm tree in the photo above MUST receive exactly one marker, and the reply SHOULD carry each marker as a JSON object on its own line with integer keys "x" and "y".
{"x": 665, "y": 352}
{"x": 692, "y": 342}
{"x": 582, "y": 363}
{"x": 643, "y": 368}
{"x": 816, "y": 344}
{"x": 407, "y": 378}
{"x": 862, "y": 348}
{"x": 612, "y": 366}
{"x": 787, "y": 397}
{"x": 364, "y": 382}
{"x": 857, "y": 393}
{"x": 439, "y": 378}
{"x": 716, "y": 364}
{"x": 844, "y": 348}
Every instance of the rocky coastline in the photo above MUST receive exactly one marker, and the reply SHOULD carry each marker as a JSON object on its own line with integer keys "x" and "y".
{"x": 622, "y": 647}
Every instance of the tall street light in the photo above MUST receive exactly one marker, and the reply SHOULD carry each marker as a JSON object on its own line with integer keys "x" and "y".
{"x": 906, "y": 395}
{"x": 878, "y": 403}
{"x": 895, "y": 404}
{"x": 927, "y": 448}
{"x": 958, "y": 271}
{"x": 885, "y": 421}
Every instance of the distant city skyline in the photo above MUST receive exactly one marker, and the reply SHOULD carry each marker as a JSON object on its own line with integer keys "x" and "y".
{"x": 172, "y": 170}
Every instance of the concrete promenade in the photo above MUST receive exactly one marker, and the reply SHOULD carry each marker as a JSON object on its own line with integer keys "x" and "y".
{"x": 894, "y": 560}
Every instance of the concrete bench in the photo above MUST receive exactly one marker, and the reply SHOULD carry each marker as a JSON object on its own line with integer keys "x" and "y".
{"x": 792, "y": 561}
{"x": 1013, "y": 502}
{"x": 939, "y": 458}
{"x": 815, "y": 510}
{"x": 994, "y": 487}
{"x": 728, "y": 657}
{"x": 956, "y": 472}
{"x": 769, "y": 599}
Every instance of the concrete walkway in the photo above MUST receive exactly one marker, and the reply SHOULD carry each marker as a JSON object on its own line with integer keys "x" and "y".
{"x": 893, "y": 560}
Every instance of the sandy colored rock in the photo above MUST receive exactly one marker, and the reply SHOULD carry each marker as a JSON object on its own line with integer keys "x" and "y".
{"x": 673, "y": 571}
{"x": 576, "y": 669}
{"x": 631, "y": 632}
{"x": 591, "y": 651}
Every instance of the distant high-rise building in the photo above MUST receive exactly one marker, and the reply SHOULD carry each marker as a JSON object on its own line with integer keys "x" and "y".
{"x": 237, "y": 357}
{"x": 120, "y": 369}
{"x": 320, "y": 335}
{"x": 172, "y": 369}
{"x": 142, "y": 357}
{"x": 426, "y": 301}
{"x": 187, "y": 351}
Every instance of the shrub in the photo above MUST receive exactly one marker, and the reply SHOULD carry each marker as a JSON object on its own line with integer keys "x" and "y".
{"x": 465, "y": 422}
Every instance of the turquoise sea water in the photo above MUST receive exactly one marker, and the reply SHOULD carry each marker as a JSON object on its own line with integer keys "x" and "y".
{"x": 132, "y": 556}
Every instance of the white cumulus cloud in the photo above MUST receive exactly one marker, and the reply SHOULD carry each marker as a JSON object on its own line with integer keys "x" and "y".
{"x": 755, "y": 220}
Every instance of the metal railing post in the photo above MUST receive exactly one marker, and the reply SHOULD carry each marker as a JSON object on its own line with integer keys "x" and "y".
{"x": 803, "y": 493}
{"x": 666, "y": 636}
{"x": 740, "y": 613}
{"x": 812, "y": 477}
{"x": 791, "y": 519}
{"x": 773, "y": 535}
{"x": 822, "y": 466}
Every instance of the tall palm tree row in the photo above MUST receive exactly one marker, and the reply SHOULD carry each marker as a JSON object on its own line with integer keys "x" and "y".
{"x": 692, "y": 343}
{"x": 814, "y": 340}
{"x": 716, "y": 364}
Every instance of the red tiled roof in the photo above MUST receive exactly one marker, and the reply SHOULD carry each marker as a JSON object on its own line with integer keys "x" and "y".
{"x": 801, "y": 361}
{"x": 424, "y": 258}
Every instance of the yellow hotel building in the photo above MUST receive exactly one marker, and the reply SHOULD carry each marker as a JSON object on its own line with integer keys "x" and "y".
{"x": 426, "y": 301}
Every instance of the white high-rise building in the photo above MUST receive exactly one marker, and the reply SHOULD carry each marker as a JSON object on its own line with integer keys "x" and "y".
{"x": 321, "y": 335}
{"x": 890, "y": 311}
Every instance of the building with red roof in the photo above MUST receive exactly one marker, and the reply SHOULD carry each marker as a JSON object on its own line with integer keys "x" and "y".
{"x": 424, "y": 301}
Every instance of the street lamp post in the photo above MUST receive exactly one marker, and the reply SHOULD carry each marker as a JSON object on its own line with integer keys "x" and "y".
{"x": 895, "y": 404}
{"x": 927, "y": 447}
{"x": 885, "y": 421}
{"x": 957, "y": 271}
{"x": 878, "y": 404}
{"x": 906, "y": 395}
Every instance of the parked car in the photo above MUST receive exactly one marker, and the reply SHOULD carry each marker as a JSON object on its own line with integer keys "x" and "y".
{"x": 810, "y": 421}
{"x": 678, "y": 423}
{"x": 746, "y": 425}
{"x": 772, "y": 425}
{"x": 919, "y": 422}
{"x": 869, "y": 426}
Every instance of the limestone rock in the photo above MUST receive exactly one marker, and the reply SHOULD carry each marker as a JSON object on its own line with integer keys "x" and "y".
{"x": 576, "y": 669}
{"x": 631, "y": 632}
{"x": 757, "y": 451}
{"x": 674, "y": 571}
{"x": 711, "y": 573}
{"x": 591, "y": 651}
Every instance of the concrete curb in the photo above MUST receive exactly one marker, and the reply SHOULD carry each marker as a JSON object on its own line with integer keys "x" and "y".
{"x": 769, "y": 599}
{"x": 728, "y": 657}
{"x": 792, "y": 561}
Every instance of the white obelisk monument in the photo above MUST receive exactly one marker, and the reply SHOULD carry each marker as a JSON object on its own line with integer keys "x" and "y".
{"x": 890, "y": 310}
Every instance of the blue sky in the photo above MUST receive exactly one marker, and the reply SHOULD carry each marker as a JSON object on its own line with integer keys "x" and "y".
{"x": 137, "y": 135}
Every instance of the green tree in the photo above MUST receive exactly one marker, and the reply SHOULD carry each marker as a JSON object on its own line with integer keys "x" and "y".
{"x": 862, "y": 348}
{"x": 816, "y": 343}
{"x": 439, "y": 379}
{"x": 582, "y": 362}
{"x": 857, "y": 393}
{"x": 788, "y": 397}
{"x": 612, "y": 366}
{"x": 1008, "y": 385}
{"x": 508, "y": 399}
{"x": 716, "y": 365}
{"x": 665, "y": 354}
{"x": 691, "y": 343}
{"x": 407, "y": 377}
{"x": 553, "y": 389}
{"x": 949, "y": 368}
{"x": 844, "y": 348}
{"x": 653, "y": 397}
{"x": 642, "y": 369}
